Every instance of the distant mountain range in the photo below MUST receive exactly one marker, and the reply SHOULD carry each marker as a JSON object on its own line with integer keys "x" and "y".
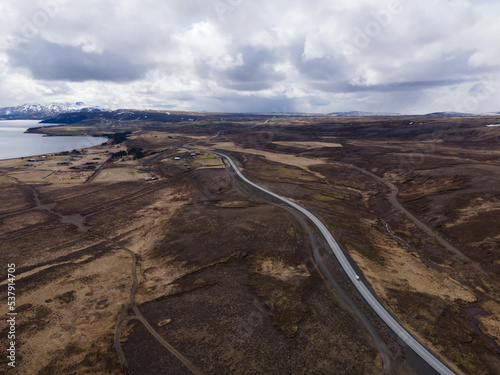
{"x": 361, "y": 113}
{"x": 80, "y": 111}
{"x": 38, "y": 111}
{"x": 451, "y": 114}
{"x": 461, "y": 114}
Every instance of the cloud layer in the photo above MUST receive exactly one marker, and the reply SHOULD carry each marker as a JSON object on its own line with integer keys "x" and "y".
{"x": 242, "y": 55}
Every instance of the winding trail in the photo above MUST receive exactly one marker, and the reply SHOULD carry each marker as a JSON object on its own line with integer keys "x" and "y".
{"x": 138, "y": 316}
{"x": 394, "y": 201}
{"x": 78, "y": 221}
{"x": 322, "y": 269}
{"x": 377, "y": 307}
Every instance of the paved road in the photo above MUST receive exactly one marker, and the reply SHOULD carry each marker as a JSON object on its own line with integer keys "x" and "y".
{"x": 96, "y": 173}
{"x": 358, "y": 283}
{"x": 319, "y": 264}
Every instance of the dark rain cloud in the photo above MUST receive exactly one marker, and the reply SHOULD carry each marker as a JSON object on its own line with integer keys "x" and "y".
{"x": 347, "y": 87}
{"x": 252, "y": 103}
{"x": 53, "y": 62}
{"x": 255, "y": 74}
{"x": 328, "y": 68}
{"x": 332, "y": 56}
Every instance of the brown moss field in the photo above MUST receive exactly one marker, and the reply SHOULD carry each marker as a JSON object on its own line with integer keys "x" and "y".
{"x": 153, "y": 265}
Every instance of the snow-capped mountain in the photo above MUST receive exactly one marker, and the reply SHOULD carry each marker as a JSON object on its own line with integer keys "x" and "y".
{"x": 38, "y": 111}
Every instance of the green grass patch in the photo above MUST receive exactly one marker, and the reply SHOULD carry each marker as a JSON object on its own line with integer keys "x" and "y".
{"x": 67, "y": 297}
{"x": 329, "y": 197}
{"x": 206, "y": 157}
{"x": 295, "y": 173}
{"x": 69, "y": 130}
{"x": 282, "y": 171}
{"x": 284, "y": 301}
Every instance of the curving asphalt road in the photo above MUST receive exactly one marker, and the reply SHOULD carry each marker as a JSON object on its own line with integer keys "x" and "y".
{"x": 358, "y": 283}
{"x": 319, "y": 264}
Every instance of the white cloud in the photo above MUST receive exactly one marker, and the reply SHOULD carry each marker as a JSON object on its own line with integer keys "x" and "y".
{"x": 400, "y": 56}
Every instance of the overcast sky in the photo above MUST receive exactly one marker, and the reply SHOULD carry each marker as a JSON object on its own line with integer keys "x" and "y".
{"x": 253, "y": 55}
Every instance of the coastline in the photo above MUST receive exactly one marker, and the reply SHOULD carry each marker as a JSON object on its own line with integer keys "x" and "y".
{"x": 18, "y": 142}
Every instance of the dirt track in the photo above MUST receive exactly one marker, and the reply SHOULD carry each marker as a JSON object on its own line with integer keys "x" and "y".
{"x": 138, "y": 316}
{"x": 202, "y": 286}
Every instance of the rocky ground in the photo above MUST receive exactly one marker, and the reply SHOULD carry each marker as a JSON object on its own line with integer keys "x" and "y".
{"x": 236, "y": 284}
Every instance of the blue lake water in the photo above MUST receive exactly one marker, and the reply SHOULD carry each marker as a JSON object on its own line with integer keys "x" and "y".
{"x": 14, "y": 143}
